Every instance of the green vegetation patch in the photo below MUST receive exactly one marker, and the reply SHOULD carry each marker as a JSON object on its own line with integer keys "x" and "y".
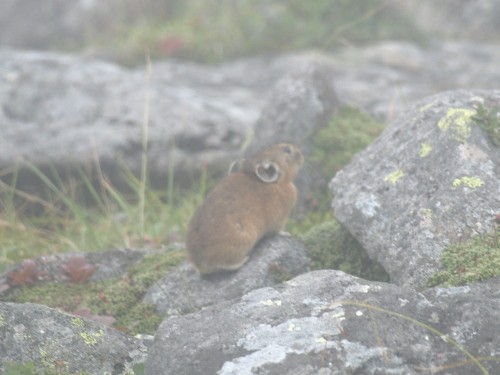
{"x": 119, "y": 299}
{"x": 331, "y": 246}
{"x": 217, "y": 30}
{"x": 29, "y": 368}
{"x": 348, "y": 132}
{"x": 488, "y": 119}
{"x": 469, "y": 262}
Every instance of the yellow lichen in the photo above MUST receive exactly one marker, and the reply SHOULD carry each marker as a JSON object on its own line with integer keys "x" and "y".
{"x": 426, "y": 107}
{"x": 471, "y": 182}
{"x": 77, "y": 322}
{"x": 426, "y": 213}
{"x": 394, "y": 176}
{"x": 92, "y": 338}
{"x": 425, "y": 149}
{"x": 457, "y": 120}
{"x": 2, "y": 320}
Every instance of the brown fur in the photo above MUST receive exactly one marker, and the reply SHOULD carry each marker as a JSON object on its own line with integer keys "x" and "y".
{"x": 243, "y": 208}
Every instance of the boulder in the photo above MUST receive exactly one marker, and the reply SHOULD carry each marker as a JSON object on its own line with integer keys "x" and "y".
{"x": 65, "y": 111}
{"x": 53, "y": 340}
{"x": 429, "y": 180}
{"x": 183, "y": 290}
{"x": 328, "y": 322}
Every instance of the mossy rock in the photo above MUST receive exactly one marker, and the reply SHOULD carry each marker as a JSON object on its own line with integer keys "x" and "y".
{"x": 331, "y": 246}
{"x": 118, "y": 298}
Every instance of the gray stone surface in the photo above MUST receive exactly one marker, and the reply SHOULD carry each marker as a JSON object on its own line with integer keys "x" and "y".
{"x": 53, "y": 340}
{"x": 431, "y": 179}
{"x": 327, "y": 322}
{"x": 65, "y": 111}
{"x": 183, "y": 290}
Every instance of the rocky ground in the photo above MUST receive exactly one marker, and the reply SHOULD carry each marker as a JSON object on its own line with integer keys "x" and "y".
{"x": 430, "y": 180}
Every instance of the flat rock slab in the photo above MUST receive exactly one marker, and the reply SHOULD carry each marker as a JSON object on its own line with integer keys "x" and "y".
{"x": 430, "y": 180}
{"x": 328, "y": 322}
{"x": 184, "y": 290}
{"x": 52, "y": 339}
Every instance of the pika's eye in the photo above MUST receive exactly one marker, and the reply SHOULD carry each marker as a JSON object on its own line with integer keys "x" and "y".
{"x": 287, "y": 150}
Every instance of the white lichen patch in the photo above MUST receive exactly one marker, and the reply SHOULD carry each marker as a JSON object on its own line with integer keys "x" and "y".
{"x": 359, "y": 288}
{"x": 425, "y": 150}
{"x": 395, "y": 176}
{"x": 367, "y": 204}
{"x": 272, "y": 344}
{"x": 270, "y": 302}
{"x": 457, "y": 121}
{"x": 470, "y": 182}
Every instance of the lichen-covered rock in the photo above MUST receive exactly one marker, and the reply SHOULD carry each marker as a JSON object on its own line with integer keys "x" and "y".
{"x": 54, "y": 340}
{"x": 184, "y": 290}
{"x": 430, "y": 180}
{"x": 328, "y": 322}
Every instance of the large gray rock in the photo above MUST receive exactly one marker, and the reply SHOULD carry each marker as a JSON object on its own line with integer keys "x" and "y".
{"x": 52, "y": 339}
{"x": 184, "y": 290}
{"x": 430, "y": 180}
{"x": 59, "y": 110}
{"x": 386, "y": 78}
{"x": 327, "y": 322}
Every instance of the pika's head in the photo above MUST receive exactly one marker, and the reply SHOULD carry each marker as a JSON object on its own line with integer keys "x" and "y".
{"x": 277, "y": 163}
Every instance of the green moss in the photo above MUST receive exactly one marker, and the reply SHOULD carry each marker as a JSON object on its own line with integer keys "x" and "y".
{"x": 469, "y": 262}
{"x": 331, "y": 246}
{"x": 29, "y": 368}
{"x": 348, "y": 132}
{"x": 119, "y": 298}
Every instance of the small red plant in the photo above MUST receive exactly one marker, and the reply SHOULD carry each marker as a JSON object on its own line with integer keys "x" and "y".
{"x": 78, "y": 269}
{"x": 26, "y": 274}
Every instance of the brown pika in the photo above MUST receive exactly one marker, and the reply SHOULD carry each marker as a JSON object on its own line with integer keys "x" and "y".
{"x": 252, "y": 201}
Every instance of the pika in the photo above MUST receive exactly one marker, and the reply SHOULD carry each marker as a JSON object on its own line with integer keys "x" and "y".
{"x": 254, "y": 200}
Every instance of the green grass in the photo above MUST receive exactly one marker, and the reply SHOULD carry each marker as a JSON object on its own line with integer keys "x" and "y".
{"x": 218, "y": 30}
{"x": 106, "y": 218}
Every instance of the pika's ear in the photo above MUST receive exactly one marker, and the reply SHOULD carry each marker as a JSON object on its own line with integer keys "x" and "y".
{"x": 236, "y": 166}
{"x": 267, "y": 171}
